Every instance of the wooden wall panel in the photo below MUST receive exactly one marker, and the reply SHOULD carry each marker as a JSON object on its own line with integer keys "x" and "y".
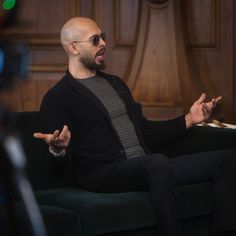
{"x": 184, "y": 48}
{"x": 110, "y": 16}
{"x": 203, "y": 22}
{"x": 160, "y": 73}
{"x": 213, "y": 59}
{"x": 234, "y": 68}
{"x": 39, "y": 24}
{"x": 197, "y": 52}
{"x": 125, "y": 22}
{"x": 156, "y": 80}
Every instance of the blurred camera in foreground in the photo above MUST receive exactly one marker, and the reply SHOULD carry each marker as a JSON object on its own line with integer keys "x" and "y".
{"x": 14, "y": 56}
{"x": 14, "y": 63}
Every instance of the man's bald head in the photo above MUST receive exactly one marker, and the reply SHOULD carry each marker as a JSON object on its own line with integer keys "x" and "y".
{"x": 75, "y": 29}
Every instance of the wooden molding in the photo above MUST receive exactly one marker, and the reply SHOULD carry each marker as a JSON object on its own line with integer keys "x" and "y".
{"x": 48, "y": 68}
{"x": 28, "y": 33}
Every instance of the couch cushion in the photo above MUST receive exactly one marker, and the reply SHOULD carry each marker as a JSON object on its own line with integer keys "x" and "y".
{"x": 58, "y": 221}
{"x": 109, "y": 212}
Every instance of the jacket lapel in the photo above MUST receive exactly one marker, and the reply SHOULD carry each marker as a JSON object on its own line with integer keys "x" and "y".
{"x": 80, "y": 88}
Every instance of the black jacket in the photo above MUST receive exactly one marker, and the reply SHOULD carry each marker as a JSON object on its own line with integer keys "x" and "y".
{"x": 95, "y": 147}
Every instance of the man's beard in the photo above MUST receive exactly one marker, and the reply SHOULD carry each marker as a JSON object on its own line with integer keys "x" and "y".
{"x": 91, "y": 64}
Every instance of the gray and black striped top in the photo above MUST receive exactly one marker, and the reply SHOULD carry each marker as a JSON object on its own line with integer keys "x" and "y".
{"x": 116, "y": 109}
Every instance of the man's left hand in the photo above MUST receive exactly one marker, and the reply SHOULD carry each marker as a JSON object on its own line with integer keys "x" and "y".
{"x": 201, "y": 110}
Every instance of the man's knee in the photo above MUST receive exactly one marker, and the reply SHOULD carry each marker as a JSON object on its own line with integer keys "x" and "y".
{"x": 231, "y": 158}
{"x": 158, "y": 167}
{"x": 158, "y": 159}
{"x": 229, "y": 155}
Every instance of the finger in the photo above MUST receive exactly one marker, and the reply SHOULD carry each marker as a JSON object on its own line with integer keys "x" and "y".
{"x": 205, "y": 113}
{"x": 206, "y": 108}
{"x": 55, "y": 134}
{"x": 46, "y": 137}
{"x": 202, "y": 98}
{"x": 64, "y": 133}
{"x": 40, "y": 135}
{"x": 214, "y": 101}
{"x": 65, "y": 129}
{"x": 218, "y": 99}
{"x": 53, "y": 138}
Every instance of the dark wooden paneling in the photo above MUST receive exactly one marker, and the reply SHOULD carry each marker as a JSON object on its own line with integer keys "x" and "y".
{"x": 160, "y": 74}
{"x": 214, "y": 64}
{"x": 39, "y": 24}
{"x": 184, "y": 52}
{"x": 125, "y": 22}
{"x": 203, "y": 22}
{"x": 40, "y": 21}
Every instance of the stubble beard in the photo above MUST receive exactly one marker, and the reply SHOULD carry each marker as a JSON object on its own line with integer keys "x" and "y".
{"x": 91, "y": 64}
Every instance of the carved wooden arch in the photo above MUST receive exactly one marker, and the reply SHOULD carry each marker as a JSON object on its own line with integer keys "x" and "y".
{"x": 161, "y": 73}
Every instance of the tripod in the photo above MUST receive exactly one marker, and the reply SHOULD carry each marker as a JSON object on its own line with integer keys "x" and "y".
{"x": 12, "y": 169}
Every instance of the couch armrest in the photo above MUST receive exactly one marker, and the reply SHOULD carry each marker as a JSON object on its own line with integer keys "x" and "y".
{"x": 201, "y": 139}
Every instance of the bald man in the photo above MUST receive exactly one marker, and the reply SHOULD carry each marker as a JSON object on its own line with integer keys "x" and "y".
{"x": 93, "y": 120}
{"x": 90, "y": 58}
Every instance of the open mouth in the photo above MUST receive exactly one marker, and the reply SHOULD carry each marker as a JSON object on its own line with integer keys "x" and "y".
{"x": 100, "y": 54}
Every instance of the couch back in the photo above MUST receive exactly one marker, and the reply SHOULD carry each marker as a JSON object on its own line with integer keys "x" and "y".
{"x": 46, "y": 172}
{"x": 43, "y": 171}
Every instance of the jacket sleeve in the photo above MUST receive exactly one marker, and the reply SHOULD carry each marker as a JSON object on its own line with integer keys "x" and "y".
{"x": 54, "y": 112}
{"x": 159, "y": 133}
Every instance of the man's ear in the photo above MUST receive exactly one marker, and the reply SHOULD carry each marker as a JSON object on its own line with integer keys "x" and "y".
{"x": 72, "y": 48}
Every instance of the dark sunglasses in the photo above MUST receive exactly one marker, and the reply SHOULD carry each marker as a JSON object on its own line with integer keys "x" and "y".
{"x": 95, "y": 39}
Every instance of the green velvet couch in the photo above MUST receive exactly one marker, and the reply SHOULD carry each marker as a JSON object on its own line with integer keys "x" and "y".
{"x": 70, "y": 211}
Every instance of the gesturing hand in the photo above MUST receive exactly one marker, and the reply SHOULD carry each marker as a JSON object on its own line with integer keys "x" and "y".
{"x": 58, "y": 140}
{"x": 200, "y": 110}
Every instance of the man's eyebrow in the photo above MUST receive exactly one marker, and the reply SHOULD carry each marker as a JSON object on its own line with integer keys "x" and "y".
{"x": 91, "y": 37}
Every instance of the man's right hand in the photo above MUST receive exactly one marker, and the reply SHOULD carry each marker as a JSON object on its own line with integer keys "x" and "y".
{"x": 58, "y": 140}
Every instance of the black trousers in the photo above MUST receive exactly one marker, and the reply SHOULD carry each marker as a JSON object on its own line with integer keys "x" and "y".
{"x": 161, "y": 175}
